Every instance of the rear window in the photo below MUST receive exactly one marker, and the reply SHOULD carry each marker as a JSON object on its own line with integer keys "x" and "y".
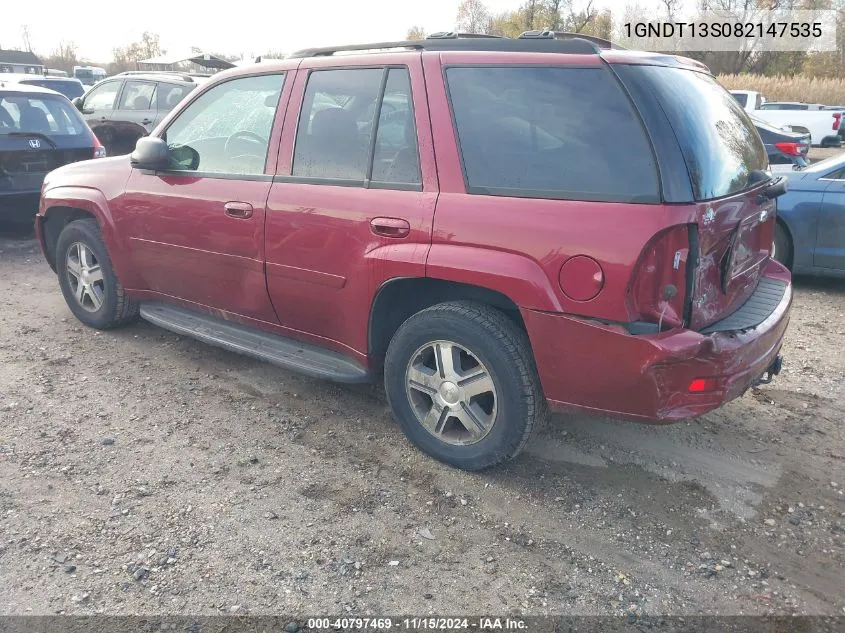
{"x": 550, "y": 132}
{"x": 719, "y": 142}
{"x": 741, "y": 99}
{"x": 41, "y": 114}
{"x": 70, "y": 89}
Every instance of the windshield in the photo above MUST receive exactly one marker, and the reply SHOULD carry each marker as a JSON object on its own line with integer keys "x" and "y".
{"x": 41, "y": 114}
{"x": 720, "y": 145}
{"x": 70, "y": 89}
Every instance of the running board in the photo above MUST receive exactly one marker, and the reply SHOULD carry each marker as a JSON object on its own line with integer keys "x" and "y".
{"x": 294, "y": 355}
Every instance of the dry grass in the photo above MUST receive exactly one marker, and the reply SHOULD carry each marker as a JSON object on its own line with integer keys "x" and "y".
{"x": 798, "y": 88}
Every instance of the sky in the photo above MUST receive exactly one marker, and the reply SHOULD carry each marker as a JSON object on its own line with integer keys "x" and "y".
{"x": 249, "y": 27}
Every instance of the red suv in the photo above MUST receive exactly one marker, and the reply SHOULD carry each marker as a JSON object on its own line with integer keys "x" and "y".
{"x": 493, "y": 224}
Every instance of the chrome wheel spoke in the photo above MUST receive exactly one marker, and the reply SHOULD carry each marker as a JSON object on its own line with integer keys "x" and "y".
{"x": 93, "y": 295}
{"x": 436, "y": 418}
{"x": 74, "y": 268}
{"x": 469, "y": 419}
{"x": 95, "y": 273}
{"x": 478, "y": 383}
{"x": 86, "y": 257}
{"x": 423, "y": 379}
{"x": 79, "y": 292}
{"x": 445, "y": 354}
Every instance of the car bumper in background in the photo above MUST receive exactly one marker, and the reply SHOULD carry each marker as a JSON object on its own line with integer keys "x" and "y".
{"x": 590, "y": 365}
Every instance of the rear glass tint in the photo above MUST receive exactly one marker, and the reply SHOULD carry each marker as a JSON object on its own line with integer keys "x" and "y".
{"x": 42, "y": 114}
{"x": 718, "y": 140}
{"x": 550, "y": 132}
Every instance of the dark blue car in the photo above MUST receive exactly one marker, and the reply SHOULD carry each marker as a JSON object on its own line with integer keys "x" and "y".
{"x": 810, "y": 234}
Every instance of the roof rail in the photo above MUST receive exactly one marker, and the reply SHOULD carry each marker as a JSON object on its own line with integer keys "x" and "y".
{"x": 578, "y": 45}
{"x": 563, "y": 35}
{"x": 175, "y": 73}
{"x": 452, "y": 35}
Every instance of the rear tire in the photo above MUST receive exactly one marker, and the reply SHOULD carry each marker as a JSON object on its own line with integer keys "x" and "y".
{"x": 461, "y": 381}
{"x": 782, "y": 246}
{"x": 89, "y": 284}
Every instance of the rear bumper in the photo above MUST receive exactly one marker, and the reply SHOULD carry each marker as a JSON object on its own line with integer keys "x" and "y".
{"x": 589, "y": 365}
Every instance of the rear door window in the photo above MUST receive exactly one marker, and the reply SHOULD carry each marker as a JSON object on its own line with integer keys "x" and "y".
{"x": 137, "y": 95}
{"x": 336, "y": 122}
{"x": 550, "y": 132}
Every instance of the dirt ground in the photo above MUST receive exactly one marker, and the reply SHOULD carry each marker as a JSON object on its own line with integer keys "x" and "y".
{"x": 143, "y": 472}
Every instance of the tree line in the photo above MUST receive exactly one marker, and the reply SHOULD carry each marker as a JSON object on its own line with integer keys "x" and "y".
{"x": 582, "y": 16}
{"x": 66, "y": 55}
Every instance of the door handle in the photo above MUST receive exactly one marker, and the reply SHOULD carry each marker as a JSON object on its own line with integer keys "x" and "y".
{"x": 390, "y": 227}
{"x": 146, "y": 121}
{"x": 239, "y": 210}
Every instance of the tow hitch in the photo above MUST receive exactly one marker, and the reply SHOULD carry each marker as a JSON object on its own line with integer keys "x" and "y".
{"x": 770, "y": 373}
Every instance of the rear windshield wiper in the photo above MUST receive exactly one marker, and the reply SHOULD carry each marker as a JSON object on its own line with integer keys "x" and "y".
{"x": 35, "y": 134}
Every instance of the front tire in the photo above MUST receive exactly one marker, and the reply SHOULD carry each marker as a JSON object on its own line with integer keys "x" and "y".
{"x": 461, "y": 381}
{"x": 91, "y": 289}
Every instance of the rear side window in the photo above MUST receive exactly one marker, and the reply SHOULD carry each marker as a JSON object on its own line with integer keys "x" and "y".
{"x": 550, "y": 132}
{"x": 169, "y": 95}
{"x": 137, "y": 95}
{"x": 720, "y": 145}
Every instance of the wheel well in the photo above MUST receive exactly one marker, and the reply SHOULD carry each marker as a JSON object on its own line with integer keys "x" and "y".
{"x": 55, "y": 219}
{"x": 399, "y": 299}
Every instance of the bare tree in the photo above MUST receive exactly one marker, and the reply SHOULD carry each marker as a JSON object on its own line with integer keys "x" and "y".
{"x": 415, "y": 33}
{"x": 473, "y": 17}
{"x": 553, "y": 8}
{"x": 671, "y": 7}
{"x": 27, "y": 42}
{"x": 530, "y": 11}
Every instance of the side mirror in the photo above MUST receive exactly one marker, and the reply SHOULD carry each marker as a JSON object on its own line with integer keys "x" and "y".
{"x": 185, "y": 157}
{"x": 151, "y": 153}
{"x": 78, "y": 103}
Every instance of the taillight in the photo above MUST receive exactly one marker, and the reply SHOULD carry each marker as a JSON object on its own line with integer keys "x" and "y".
{"x": 659, "y": 288}
{"x": 99, "y": 150}
{"x": 793, "y": 149}
{"x": 837, "y": 117}
{"x": 701, "y": 385}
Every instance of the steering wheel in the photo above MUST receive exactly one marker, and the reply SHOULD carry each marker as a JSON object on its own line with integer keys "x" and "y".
{"x": 244, "y": 134}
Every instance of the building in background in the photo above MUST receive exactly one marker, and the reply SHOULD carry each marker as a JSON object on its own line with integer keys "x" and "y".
{"x": 22, "y": 62}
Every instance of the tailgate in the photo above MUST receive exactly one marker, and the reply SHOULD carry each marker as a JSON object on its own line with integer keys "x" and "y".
{"x": 22, "y": 167}
{"x": 734, "y": 242}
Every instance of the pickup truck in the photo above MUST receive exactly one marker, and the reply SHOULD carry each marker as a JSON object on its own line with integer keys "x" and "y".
{"x": 822, "y": 125}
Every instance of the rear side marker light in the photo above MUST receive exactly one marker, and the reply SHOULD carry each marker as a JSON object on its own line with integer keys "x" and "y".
{"x": 700, "y": 385}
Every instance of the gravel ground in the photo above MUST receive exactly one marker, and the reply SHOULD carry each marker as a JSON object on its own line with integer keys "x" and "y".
{"x": 143, "y": 472}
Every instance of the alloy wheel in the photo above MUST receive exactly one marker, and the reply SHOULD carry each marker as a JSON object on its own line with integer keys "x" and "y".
{"x": 85, "y": 276}
{"x": 451, "y": 393}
